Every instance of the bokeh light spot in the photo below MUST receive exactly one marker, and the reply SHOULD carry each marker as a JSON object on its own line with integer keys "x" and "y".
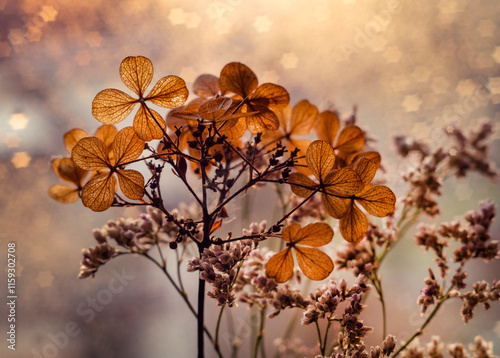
{"x": 94, "y": 39}
{"x": 48, "y": 13}
{"x": 177, "y": 16}
{"x": 45, "y": 279}
{"x": 289, "y": 60}
{"x": 262, "y": 24}
{"x": 21, "y": 160}
{"x": 11, "y": 140}
{"x": 496, "y": 54}
{"x": 486, "y": 28}
{"x": 412, "y": 103}
{"x": 466, "y": 87}
{"x": 18, "y": 121}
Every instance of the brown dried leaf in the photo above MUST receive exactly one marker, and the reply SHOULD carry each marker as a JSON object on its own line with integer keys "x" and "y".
{"x": 131, "y": 183}
{"x": 343, "y": 182}
{"x": 354, "y": 225}
{"x": 320, "y": 159}
{"x": 111, "y": 106}
{"x": 148, "y": 127}
{"x": 262, "y": 121}
{"x": 169, "y": 92}
{"x": 373, "y": 156}
{"x": 280, "y": 266}
{"x": 316, "y": 234}
{"x": 328, "y": 126}
{"x": 305, "y": 187}
{"x": 106, "y": 133}
{"x": 127, "y": 146}
{"x": 136, "y": 73}
{"x": 351, "y": 140}
{"x": 99, "y": 192}
{"x": 315, "y": 264}
{"x": 272, "y": 96}
{"x": 237, "y": 78}
{"x": 304, "y": 118}
{"x": 63, "y": 193}
{"x": 366, "y": 169}
{"x": 72, "y": 137}
{"x": 91, "y": 153}
{"x": 290, "y": 232}
{"x": 233, "y": 128}
{"x": 334, "y": 206}
{"x": 206, "y": 86}
{"x": 379, "y": 200}
{"x": 68, "y": 171}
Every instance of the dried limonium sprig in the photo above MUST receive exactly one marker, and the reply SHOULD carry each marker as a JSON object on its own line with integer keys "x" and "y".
{"x": 236, "y": 136}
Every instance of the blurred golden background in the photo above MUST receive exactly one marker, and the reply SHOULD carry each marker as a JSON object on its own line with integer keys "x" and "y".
{"x": 410, "y": 67}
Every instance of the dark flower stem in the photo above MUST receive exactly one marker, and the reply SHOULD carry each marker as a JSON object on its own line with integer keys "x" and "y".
{"x": 419, "y": 331}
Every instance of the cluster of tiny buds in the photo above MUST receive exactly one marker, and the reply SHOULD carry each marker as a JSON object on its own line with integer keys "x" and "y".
{"x": 325, "y": 299}
{"x": 134, "y": 235}
{"x": 358, "y": 258}
{"x": 435, "y": 349}
{"x": 218, "y": 265}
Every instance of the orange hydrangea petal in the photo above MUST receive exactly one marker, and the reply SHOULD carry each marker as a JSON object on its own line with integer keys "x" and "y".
{"x": 304, "y": 118}
{"x": 136, "y": 73}
{"x": 354, "y": 225}
{"x": 148, "y": 127}
{"x": 169, "y": 92}
{"x": 335, "y": 207}
{"x": 316, "y": 234}
{"x": 373, "y": 156}
{"x": 90, "y": 153}
{"x": 233, "y": 128}
{"x": 351, "y": 140}
{"x": 63, "y": 193}
{"x": 280, "y": 266}
{"x": 68, "y": 171}
{"x": 127, "y": 146}
{"x": 237, "y": 78}
{"x": 343, "y": 182}
{"x": 99, "y": 192}
{"x": 284, "y": 117}
{"x": 366, "y": 169}
{"x": 271, "y": 96}
{"x": 111, "y": 106}
{"x": 305, "y": 187}
{"x": 290, "y": 232}
{"x": 131, "y": 183}
{"x": 379, "y": 200}
{"x": 315, "y": 264}
{"x": 106, "y": 133}
{"x": 262, "y": 121}
{"x": 72, "y": 137}
{"x": 328, "y": 126}
{"x": 206, "y": 86}
{"x": 320, "y": 159}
